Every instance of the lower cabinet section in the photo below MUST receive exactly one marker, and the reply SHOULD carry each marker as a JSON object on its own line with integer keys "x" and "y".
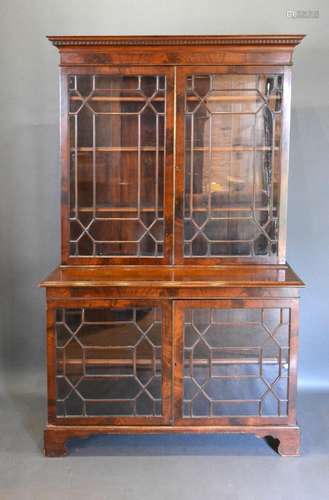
{"x": 172, "y": 366}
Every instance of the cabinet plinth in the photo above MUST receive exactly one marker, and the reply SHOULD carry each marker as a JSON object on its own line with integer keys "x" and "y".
{"x": 173, "y": 309}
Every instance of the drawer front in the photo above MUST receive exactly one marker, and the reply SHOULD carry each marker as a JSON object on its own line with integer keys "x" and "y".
{"x": 109, "y": 363}
{"x": 235, "y": 361}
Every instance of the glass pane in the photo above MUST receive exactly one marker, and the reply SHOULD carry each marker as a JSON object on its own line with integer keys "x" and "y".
{"x": 117, "y": 141}
{"x": 236, "y": 362}
{"x": 232, "y": 153}
{"x": 109, "y": 362}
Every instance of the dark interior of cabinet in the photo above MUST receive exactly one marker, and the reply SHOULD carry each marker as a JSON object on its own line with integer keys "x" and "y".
{"x": 117, "y": 158}
{"x": 232, "y": 147}
{"x": 232, "y": 165}
{"x": 109, "y": 361}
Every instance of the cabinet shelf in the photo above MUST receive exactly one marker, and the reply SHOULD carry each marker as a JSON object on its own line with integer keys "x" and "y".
{"x": 215, "y": 98}
{"x": 231, "y": 209}
{"x": 127, "y": 149}
{"x": 114, "y": 209}
{"x": 115, "y": 149}
{"x": 117, "y": 99}
{"x": 227, "y": 97}
{"x": 153, "y": 209}
{"x": 233, "y": 149}
{"x": 149, "y": 362}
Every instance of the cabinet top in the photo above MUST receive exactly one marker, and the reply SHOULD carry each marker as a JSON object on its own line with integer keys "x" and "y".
{"x": 177, "y": 50}
{"x": 194, "y": 40}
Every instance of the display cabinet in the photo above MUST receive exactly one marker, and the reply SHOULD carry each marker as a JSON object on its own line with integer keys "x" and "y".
{"x": 173, "y": 308}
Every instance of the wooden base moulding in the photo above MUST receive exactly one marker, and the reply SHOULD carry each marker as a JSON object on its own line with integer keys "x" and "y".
{"x": 283, "y": 439}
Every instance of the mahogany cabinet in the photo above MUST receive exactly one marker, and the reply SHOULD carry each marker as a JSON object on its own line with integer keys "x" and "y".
{"x": 173, "y": 308}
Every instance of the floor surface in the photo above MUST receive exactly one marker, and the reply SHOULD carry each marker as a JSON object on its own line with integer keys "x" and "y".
{"x": 203, "y": 467}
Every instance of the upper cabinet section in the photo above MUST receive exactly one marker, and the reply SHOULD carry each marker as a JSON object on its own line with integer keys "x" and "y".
{"x": 174, "y": 150}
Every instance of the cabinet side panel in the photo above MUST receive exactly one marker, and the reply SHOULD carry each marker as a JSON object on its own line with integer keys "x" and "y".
{"x": 284, "y": 172}
{"x": 64, "y": 160}
{"x": 51, "y": 363}
{"x": 293, "y": 361}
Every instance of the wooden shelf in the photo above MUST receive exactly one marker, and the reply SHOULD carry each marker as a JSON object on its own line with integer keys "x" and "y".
{"x": 216, "y": 98}
{"x": 149, "y": 362}
{"x": 219, "y": 98}
{"x": 114, "y": 209}
{"x": 153, "y": 209}
{"x": 128, "y": 149}
{"x": 117, "y": 98}
{"x": 231, "y": 209}
{"x": 233, "y": 149}
{"x": 115, "y": 149}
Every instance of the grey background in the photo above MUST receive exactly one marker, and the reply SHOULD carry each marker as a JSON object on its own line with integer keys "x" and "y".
{"x": 210, "y": 467}
{"x": 29, "y": 183}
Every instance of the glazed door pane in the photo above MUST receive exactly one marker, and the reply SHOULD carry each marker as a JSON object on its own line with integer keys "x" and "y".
{"x": 117, "y": 126}
{"x": 232, "y": 164}
{"x": 109, "y": 362}
{"x": 235, "y": 362}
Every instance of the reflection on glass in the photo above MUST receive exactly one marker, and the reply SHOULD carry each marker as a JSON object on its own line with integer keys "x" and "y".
{"x": 229, "y": 374}
{"x": 232, "y": 141}
{"x": 117, "y": 141}
{"x": 109, "y": 362}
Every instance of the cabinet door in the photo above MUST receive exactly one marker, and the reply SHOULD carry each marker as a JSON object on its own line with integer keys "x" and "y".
{"x": 109, "y": 362}
{"x": 117, "y": 142}
{"x": 235, "y": 362}
{"x": 231, "y": 161}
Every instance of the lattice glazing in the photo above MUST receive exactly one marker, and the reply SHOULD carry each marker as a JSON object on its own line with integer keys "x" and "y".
{"x": 117, "y": 143}
{"x": 236, "y": 362}
{"x": 232, "y": 165}
{"x": 109, "y": 362}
